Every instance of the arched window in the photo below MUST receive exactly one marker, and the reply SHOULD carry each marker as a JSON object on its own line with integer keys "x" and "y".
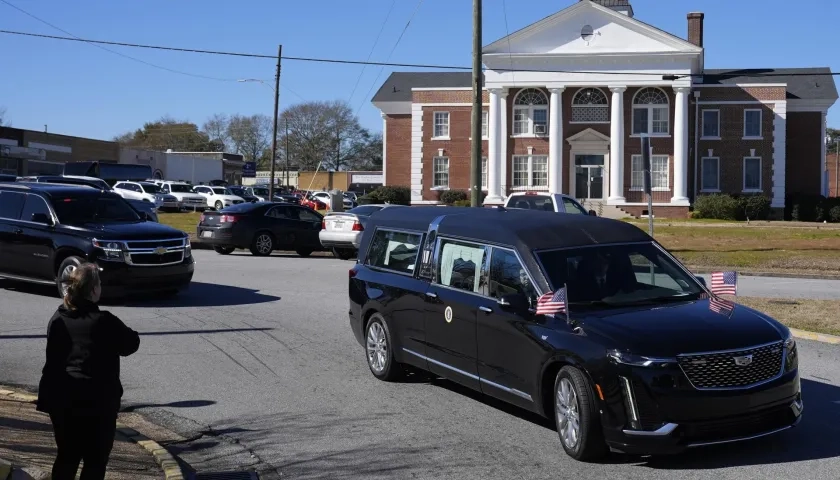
{"x": 590, "y": 105}
{"x": 530, "y": 112}
{"x": 650, "y": 112}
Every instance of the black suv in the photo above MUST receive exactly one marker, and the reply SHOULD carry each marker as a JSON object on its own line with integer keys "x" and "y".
{"x": 46, "y": 230}
{"x": 583, "y": 319}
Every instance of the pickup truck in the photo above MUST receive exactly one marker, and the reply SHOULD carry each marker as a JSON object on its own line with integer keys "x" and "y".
{"x": 551, "y": 202}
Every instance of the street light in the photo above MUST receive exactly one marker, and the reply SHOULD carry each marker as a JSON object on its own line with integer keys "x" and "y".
{"x": 255, "y": 80}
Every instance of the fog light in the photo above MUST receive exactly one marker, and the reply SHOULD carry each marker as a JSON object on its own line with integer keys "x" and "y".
{"x": 630, "y": 402}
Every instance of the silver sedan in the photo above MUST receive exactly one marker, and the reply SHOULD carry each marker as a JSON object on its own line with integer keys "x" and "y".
{"x": 342, "y": 231}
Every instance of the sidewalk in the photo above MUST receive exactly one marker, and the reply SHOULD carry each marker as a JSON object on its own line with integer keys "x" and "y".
{"x": 26, "y": 441}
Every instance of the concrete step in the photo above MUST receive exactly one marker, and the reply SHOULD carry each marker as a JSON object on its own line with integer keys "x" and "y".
{"x": 604, "y": 210}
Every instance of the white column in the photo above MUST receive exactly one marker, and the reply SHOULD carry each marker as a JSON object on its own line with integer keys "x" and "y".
{"x": 384, "y": 149}
{"x": 681, "y": 146}
{"x": 503, "y": 111}
{"x": 617, "y": 146}
{"x": 555, "y": 141}
{"x": 494, "y": 144}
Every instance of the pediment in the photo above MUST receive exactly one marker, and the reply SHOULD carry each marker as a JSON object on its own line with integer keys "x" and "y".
{"x": 611, "y": 33}
{"x": 588, "y": 136}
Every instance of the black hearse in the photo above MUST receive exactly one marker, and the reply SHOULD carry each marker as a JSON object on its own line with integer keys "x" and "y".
{"x": 647, "y": 361}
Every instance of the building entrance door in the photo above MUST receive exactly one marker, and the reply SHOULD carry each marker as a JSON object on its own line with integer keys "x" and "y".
{"x": 589, "y": 177}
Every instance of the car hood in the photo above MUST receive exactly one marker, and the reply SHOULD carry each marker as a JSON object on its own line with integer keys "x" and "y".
{"x": 688, "y": 327}
{"x": 132, "y": 231}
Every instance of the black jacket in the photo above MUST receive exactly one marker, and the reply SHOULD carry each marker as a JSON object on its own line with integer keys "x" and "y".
{"x": 82, "y": 370}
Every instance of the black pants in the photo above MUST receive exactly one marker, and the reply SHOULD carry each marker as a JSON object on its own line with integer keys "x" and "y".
{"x": 82, "y": 436}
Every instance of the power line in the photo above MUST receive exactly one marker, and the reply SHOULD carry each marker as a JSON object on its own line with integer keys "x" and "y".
{"x": 373, "y": 48}
{"x": 402, "y": 65}
{"x": 98, "y": 45}
{"x": 396, "y": 44}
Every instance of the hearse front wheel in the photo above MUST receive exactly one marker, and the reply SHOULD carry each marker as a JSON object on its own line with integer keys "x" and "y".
{"x": 577, "y": 416}
{"x": 379, "y": 350}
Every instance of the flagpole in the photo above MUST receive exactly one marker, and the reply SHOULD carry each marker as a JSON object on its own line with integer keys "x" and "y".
{"x": 566, "y": 289}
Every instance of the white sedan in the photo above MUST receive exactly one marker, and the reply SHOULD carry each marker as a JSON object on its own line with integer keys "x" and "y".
{"x": 218, "y": 197}
{"x": 342, "y": 231}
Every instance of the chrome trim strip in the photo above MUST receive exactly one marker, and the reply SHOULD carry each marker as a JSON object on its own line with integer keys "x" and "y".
{"x": 662, "y": 431}
{"x": 471, "y": 376}
{"x": 628, "y": 390}
{"x": 26, "y": 279}
{"x": 740, "y": 439}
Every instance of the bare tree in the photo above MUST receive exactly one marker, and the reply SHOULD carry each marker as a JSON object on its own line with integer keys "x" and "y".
{"x": 250, "y": 136}
{"x": 216, "y": 128}
{"x": 4, "y": 122}
{"x": 167, "y": 132}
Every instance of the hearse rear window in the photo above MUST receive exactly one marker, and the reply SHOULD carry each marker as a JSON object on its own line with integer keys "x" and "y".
{"x": 395, "y": 251}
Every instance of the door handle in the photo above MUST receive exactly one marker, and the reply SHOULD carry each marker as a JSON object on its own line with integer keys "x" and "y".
{"x": 431, "y": 295}
{"x": 18, "y": 231}
{"x": 486, "y": 309}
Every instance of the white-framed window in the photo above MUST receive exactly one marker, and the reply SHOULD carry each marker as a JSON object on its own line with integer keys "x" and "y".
{"x": 710, "y": 174}
{"x": 752, "y": 123}
{"x": 485, "y": 119}
{"x": 441, "y": 128}
{"x": 711, "y": 124}
{"x": 590, "y": 105}
{"x": 659, "y": 177}
{"x": 530, "y": 113}
{"x": 650, "y": 112}
{"x": 530, "y": 171}
{"x": 484, "y": 173}
{"x": 752, "y": 174}
{"x": 440, "y": 172}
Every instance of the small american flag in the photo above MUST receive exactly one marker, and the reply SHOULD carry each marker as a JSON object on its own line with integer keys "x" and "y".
{"x": 721, "y": 306}
{"x": 552, "y": 302}
{"x": 724, "y": 283}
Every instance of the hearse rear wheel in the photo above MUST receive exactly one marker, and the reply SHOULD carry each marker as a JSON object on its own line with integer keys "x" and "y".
{"x": 577, "y": 416}
{"x": 379, "y": 351}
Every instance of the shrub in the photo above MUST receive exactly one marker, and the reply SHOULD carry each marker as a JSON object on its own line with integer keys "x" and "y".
{"x": 806, "y": 208}
{"x": 462, "y": 203}
{"x": 753, "y": 207}
{"x": 450, "y": 197}
{"x": 390, "y": 194}
{"x": 718, "y": 206}
{"x": 834, "y": 214}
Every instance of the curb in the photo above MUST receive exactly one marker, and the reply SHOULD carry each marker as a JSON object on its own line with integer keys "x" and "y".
{"x": 5, "y": 469}
{"x": 816, "y": 337}
{"x": 749, "y": 273}
{"x": 165, "y": 460}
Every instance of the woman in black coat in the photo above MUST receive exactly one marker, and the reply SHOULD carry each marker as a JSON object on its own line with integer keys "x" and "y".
{"x": 80, "y": 385}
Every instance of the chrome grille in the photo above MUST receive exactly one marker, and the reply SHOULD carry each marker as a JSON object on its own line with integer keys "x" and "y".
{"x": 155, "y": 253}
{"x": 152, "y": 244}
{"x": 236, "y": 202}
{"x": 735, "y": 368}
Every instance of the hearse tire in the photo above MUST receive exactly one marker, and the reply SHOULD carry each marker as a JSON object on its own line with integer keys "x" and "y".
{"x": 379, "y": 352}
{"x": 575, "y": 396}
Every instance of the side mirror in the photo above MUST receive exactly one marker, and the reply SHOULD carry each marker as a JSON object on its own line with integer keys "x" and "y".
{"x": 593, "y": 213}
{"x": 701, "y": 280}
{"x": 514, "y": 302}
{"x": 42, "y": 218}
{"x": 148, "y": 216}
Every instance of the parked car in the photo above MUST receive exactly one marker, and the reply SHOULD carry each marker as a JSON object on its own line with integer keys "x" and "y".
{"x": 243, "y": 193}
{"x": 147, "y": 192}
{"x": 47, "y": 230}
{"x": 261, "y": 193}
{"x": 147, "y": 210}
{"x": 185, "y": 194}
{"x": 342, "y": 231}
{"x": 262, "y": 228}
{"x": 582, "y": 319}
{"x": 287, "y": 198}
{"x": 551, "y": 202}
{"x": 218, "y": 197}
{"x": 324, "y": 197}
{"x": 307, "y": 200}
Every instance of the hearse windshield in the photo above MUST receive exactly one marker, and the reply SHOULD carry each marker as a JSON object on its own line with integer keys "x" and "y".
{"x": 81, "y": 210}
{"x": 618, "y": 276}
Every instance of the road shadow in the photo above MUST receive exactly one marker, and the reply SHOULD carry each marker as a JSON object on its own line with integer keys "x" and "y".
{"x": 153, "y": 334}
{"x": 284, "y": 254}
{"x": 131, "y": 407}
{"x": 202, "y": 294}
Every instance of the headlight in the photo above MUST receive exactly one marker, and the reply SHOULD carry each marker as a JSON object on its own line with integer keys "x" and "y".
{"x": 187, "y": 248}
{"x": 791, "y": 355}
{"x": 111, "y": 251}
{"x": 626, "y": 358}
{"x": 790, "y": 342}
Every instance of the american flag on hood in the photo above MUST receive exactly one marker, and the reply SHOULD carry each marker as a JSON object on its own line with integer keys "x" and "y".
{"x": 552, "y": 303}
{"x": 724, "y": 283}
{"x": 721, "y": 306}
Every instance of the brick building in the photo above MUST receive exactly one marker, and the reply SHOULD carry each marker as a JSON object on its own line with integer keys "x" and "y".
{"x": 567, "y": 100}
{"x": 30, "y": 152}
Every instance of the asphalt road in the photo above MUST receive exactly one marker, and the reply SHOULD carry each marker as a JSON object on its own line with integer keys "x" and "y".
{"x": 777, "y": 287}
{"x": 257, "y": 365}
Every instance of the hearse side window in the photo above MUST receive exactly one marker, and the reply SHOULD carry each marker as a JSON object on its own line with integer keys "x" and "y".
{"x": 395, "y": 251}
{"x": 460, "y": 265}
{"x": 11, "y": 203}
{"x": 34, "y": 205}
{"x": 508, "y": 276}
{"x": 616, "y": 275}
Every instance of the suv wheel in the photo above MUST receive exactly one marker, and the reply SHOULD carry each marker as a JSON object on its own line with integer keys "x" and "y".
{"x": 67, "y": 267}
{"x": 224, "y": 250}
{"x": 379, "y": 350}
{"x": 219, "y": 205}
{"x": 263, "y": 244}
{"x": 577, "y": 416}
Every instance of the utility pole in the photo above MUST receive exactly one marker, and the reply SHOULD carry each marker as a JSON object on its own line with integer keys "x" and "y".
{"x": 475, "y": 161}
{"x": 276, "y": 113}
{"x": 287, "y": 150}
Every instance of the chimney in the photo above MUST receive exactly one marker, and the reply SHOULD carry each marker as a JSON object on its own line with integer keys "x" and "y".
{"x": 695, "y": 28}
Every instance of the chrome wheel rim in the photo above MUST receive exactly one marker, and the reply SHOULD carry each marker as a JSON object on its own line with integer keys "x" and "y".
{"x": 264, "y": 244}
{"x": 568, "y": 418}
{"x": 377, "y": 347}
{"x": 65, "y": 274}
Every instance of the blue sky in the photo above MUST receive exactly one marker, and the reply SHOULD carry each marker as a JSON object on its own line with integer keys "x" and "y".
{"x": 79, "y": 89}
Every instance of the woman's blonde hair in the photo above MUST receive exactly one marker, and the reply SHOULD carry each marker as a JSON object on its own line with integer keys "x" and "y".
{"x": 81, "y": 284}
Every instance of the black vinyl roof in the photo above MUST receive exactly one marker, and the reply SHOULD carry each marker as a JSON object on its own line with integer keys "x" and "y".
{"x": 527, "y": 230}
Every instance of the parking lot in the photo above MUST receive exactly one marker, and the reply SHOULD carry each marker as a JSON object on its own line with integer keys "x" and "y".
{"x": 257, "y": 366}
